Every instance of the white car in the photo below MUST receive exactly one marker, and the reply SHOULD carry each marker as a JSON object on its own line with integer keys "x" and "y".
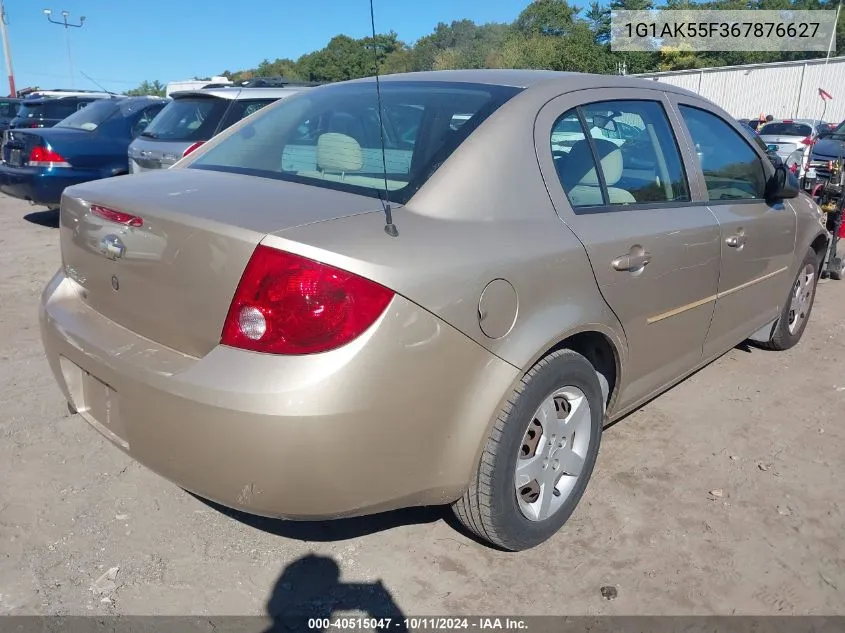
{"x": 784, "y": 137}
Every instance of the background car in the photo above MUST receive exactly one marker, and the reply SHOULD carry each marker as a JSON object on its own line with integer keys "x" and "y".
{"x": 38, "y": 164}
{"x": 784, "y": 137}
{"x": 8, "y": 111}
{"x": 829, "y": 146}
{"x": 47, "y": 111}
{"x": 467, "y": 346}
{"x": 193, "y": 117}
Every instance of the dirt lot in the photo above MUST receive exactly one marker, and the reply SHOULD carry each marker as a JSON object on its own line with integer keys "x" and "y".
{"x": 765, "y": 431}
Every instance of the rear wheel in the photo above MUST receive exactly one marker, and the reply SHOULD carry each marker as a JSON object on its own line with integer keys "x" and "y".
{"x": 539, "y": 456}
{"x": 798, "y": 305}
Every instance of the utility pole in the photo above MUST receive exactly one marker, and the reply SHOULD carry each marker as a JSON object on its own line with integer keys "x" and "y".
{"x": 67, "y": 25}
{"x": 7, "y": 51}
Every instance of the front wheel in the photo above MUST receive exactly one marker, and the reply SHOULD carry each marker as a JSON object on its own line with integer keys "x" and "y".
{"x": 539, "y": 456}
{"x": 796, "y": 310}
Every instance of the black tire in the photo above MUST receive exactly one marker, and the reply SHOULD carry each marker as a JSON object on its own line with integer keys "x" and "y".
{"x": 783, "y": 339}
{"x": 490, "y": 508}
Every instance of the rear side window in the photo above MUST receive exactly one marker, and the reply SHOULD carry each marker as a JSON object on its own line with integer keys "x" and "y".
{"x": 188, "y": 119}
{"x": 633, "y": 143}
{"x": 786, "y": 129}
{"x": 331, "y": 137}
{"x": 732, "y": 169}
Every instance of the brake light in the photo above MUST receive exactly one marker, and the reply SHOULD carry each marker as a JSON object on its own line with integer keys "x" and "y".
{"x": 192, "y": 148}
{"x": 288, "y": 304}
{"x": 116, "y": 216}
{"x": 807, "y": 141}
{"x": 46, "y": 157}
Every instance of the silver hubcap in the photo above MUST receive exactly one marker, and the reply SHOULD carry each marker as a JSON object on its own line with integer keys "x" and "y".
{"x": 552, "y": 454}
{"x": 801, "y": 298}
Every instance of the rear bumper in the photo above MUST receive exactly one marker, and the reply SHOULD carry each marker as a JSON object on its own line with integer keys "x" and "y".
{"x": 396, "y": 418}
{"x": 41, "y": 185}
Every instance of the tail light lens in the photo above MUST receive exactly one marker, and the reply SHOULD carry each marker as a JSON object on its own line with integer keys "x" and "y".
{"x": 288, "y": 304}
{"x": 46, "y": 157}
{"x": 116, "y": 216}
{"x": 807, "y": 141}
{"x": 192, "y": 148}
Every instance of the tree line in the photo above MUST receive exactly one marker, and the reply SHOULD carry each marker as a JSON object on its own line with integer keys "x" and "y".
{"x": 547, "y": 34}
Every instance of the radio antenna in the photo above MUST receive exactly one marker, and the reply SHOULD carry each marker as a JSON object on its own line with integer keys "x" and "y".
{"x": 389, "y": 227}
{"x": 93, "y": 81}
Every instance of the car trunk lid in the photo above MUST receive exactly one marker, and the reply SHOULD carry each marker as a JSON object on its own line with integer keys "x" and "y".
{"x": 17, "y": 146}
{"x": 172, "y": 279}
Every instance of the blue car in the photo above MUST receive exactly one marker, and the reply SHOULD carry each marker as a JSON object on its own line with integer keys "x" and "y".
{"x": 37, "y": 164}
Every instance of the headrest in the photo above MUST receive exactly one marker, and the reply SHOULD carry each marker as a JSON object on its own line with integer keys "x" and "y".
{"x": 338, "y": 152}
{"x": 579, "y": 167}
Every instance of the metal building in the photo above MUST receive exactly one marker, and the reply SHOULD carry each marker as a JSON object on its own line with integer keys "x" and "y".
{"x": 782, "y": 89}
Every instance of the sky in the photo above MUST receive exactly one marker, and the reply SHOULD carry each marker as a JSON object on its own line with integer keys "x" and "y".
{"x": 124, "y": 42}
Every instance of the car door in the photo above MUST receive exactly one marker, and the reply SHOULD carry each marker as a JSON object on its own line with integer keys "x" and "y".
{"x": 757, "y": 238}
{"x": 652, "y": 242}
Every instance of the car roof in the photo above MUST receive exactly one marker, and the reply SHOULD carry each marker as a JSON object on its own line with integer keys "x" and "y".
{"x": 527, "y": 79}
{"x": 42, "y": 100}
{"x": 239, "y": 93}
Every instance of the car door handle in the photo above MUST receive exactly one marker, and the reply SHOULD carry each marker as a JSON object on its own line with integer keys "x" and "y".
{"x": 631, "y": 262}
{"x": 736, "y": 241}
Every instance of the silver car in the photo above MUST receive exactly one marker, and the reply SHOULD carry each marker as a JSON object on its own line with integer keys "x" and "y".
{"x": 784, "y": 137}
{"x": 192, "y": 118}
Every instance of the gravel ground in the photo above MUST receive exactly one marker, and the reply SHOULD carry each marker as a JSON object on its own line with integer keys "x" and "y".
{"x": 722, "y": 496}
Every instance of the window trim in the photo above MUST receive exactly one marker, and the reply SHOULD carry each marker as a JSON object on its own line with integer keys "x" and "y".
{"x": 607, "y": 207}
{"x": 762, "y": 160}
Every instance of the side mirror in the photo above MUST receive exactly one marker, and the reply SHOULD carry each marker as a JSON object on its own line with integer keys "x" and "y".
{"x": 783, "y": 185}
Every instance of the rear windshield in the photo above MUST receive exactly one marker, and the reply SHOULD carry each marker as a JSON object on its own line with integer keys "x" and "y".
{"x": 785, "y": 129}
{"x": 187, "y": 119}
{"x": 330, "y": 137}
{"x": 51, "y": 109}
{"x": 9, "y": 108}
{"x": 90, "y": 117}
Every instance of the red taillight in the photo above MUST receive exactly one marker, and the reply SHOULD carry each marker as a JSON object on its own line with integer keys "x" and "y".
{"x": 807, "y": 141}
{"x": 116, "y": 216}
{"x": 46, "y": 157}
{"x": 288, "y": 304}
{"x": 192, "y": 148}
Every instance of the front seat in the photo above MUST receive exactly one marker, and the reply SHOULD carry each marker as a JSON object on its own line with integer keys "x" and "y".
{"x": 579, "y": 178}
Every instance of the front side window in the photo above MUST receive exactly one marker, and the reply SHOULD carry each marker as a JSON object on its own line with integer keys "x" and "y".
{"x": 640, "y": 162}
{"x": 332, "y": 137}
{"x": 732, "y": 169}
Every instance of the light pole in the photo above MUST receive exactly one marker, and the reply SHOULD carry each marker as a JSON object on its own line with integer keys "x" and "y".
{"x": 67, "y": 25}
{"x": 8, "y": 51}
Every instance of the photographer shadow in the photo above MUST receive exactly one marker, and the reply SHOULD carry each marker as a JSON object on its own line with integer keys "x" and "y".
{"x": 309, "y": 593}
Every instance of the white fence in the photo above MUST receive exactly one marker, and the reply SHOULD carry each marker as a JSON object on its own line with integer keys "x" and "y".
{"x": 782, "y": 89}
